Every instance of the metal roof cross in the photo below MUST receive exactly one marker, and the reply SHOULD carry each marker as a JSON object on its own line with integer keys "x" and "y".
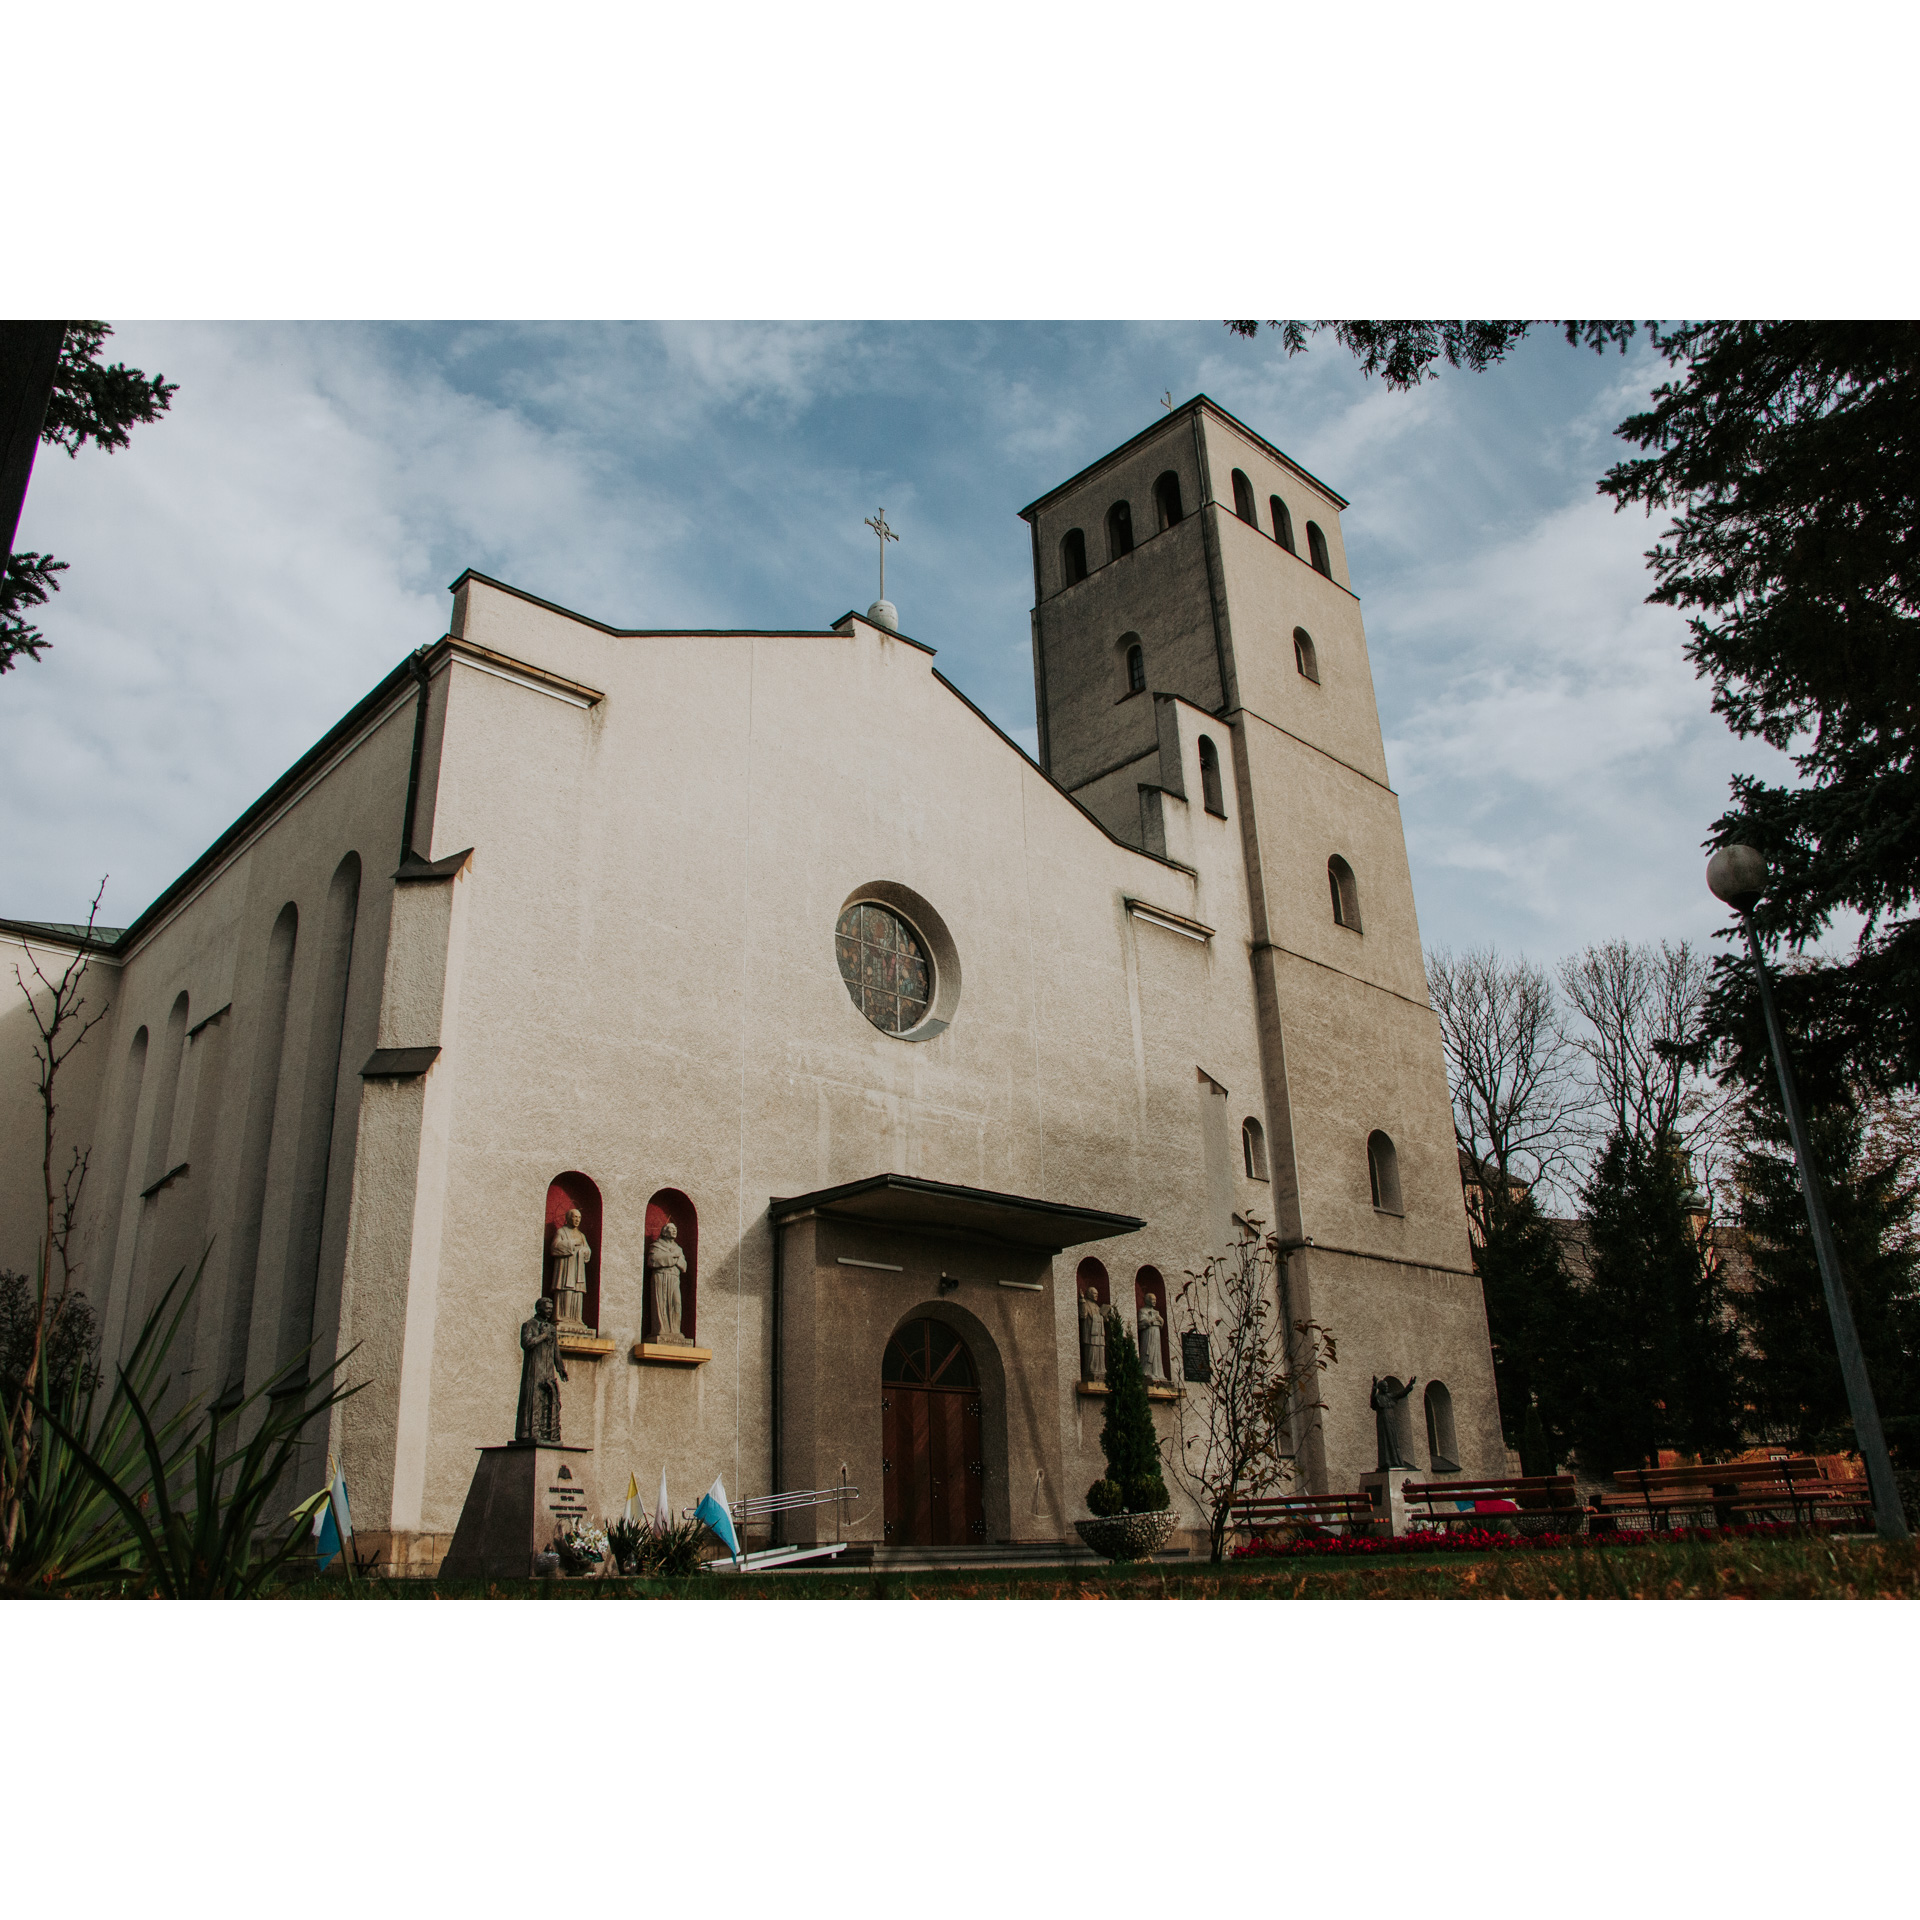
{"x": 884, "y": 533}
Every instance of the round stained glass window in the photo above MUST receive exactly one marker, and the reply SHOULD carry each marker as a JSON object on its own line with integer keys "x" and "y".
{"x": 884, "y": 965}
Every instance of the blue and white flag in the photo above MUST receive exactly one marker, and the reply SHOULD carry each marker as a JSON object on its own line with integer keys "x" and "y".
{"x": 714, "y": 1511}
{"x": 333, "y": 1524}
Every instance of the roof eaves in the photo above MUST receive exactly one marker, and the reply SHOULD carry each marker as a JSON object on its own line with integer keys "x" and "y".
{"x": 1198, "y": 403}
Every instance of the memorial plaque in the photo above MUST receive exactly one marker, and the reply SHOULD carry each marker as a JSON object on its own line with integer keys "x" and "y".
{"x": 1196, "y": 1362}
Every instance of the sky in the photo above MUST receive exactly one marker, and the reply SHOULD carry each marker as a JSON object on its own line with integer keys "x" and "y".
{"x": 259, "y": 558}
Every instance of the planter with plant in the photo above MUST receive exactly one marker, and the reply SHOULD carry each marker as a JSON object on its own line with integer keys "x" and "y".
{"x": 1130, "y": 1505}
{"x": 581, "y": 1548}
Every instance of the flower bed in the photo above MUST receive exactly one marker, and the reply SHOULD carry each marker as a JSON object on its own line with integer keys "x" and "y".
{"x": 1489, "y": 1540}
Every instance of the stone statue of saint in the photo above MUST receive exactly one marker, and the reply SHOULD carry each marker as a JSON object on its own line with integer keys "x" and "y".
{"x": 1392, "y": 1424}
{"x": 666, "y": 1262}
{"x": 541, "y": 1371}
{"x": 1151, "y": 1321}
{"x": 571, "y": 1252}
{"x": 1093, "y": 1338}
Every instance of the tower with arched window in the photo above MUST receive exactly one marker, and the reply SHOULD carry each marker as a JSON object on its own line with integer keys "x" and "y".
{"x": 1259, "y": 763}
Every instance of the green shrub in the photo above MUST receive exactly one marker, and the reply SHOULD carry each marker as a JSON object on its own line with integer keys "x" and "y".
{"x": 1148, "y": 1495}
{"x": 640, "y": 1551}
{"x": 1127, "y": 1437}
{"x": 1104, "y": 1497}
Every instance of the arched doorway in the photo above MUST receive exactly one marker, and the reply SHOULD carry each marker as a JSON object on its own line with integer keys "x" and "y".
{"x": 933, "y": 1464}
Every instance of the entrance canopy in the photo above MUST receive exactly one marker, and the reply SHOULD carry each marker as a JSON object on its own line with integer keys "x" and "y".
{"x": 898, "y": 1200}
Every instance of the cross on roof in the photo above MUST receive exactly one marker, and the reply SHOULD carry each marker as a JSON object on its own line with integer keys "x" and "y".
{"x": 884, "y": 533}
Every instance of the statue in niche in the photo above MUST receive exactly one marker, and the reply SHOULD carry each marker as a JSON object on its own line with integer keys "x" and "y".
{"x": 1151, "y": 1321}
{"x": 666, "y": 1263}
{"x": 1093, "y": 1338}
{"x": 1392, "y": 1423}
{"x": 571, "y": 1251}
{"x": 541, "y": 1371}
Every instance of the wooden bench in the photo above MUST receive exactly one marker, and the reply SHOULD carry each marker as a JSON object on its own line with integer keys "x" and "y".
{"x": 1524, "y": 1497}
{"x": 1354, "y": 1511}
{"x": 1730, "y": 1488}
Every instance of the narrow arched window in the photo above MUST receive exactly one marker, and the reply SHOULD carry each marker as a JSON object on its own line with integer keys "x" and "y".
{"x": 1253, "y": 1144}
{"x": 1210, "y": 793}
{"x": 1346, "y": 893}
{"x": 1383, "y": 1173}
{"x": 1442, "y": 1449}
{"x": 1243, "y": 498}
{"x": 1136, "y": 669}
{"x": 1073, "y": 558}
{"x": 263, "y": 1097}
{"x": 1166, "y": 500}
{"x": 1119, "y": 530}
{"x": 320, "y": 1104}
{"x": 1304, "y": 656}
{"x": 1317, "y": 550}
{"x": 1282, "y": 522}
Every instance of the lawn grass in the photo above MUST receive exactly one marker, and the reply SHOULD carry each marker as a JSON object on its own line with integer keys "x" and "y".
{"x": 1852, "y": 1569}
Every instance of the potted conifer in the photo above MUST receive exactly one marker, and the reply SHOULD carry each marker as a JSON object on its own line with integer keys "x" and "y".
{"x": 1131, "y": 1509}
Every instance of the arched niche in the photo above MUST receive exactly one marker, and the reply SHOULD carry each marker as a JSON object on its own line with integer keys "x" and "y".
{"x": 1092, "y": 1274}
{"x": 566, "y": 1192}
{"x": 1443, "y": 1450}
{"x": 671, "y": 1204}
{"x": 1150, "y": 1290}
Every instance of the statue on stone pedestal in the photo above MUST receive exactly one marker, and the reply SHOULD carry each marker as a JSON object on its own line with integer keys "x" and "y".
{"x": 1392, "y": 1423}
{"x": 541, "y": 1371}
{"x": 1093, "y": 1338}
{"x": 666, "y": 1262}
{"x": 571, "y": 1252}
{"x": 1151, "y": 1321}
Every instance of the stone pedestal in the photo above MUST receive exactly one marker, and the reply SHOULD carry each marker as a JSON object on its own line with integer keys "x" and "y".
{"x": 1388, "y": 1498}
{"x": 522, "y": 1495}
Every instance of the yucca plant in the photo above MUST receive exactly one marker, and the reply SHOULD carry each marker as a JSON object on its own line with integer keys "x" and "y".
{"x": 217, "y": 1548}
{"x": 70, "y": 1532}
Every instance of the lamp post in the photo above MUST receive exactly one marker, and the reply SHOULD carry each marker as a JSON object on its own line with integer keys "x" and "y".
{"x": 1738, "y": 875}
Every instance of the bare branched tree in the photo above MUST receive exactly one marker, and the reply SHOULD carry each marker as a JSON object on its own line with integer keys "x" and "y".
{"x": 1641, "y": 1006}
{"x": 62, "y": 1023}
{"x": 1520, "y": 1104}
{"x": 1238, "y": 1431}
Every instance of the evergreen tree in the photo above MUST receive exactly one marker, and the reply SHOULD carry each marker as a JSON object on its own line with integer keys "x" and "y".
{"x": 1793, "y": 1369}
{"x": 90, "y": 404}
{"x": 1657, "y": 1347}
{"x": 1532, "y": 1321}
{"x": 1133, "y": 1483}
{"x": 1788, "y": 453}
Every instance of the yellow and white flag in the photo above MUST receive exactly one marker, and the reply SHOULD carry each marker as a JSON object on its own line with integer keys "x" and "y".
{"x": 633, "y": 1500}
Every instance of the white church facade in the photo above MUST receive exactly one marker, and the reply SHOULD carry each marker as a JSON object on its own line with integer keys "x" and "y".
{"x": 773, "y": 939}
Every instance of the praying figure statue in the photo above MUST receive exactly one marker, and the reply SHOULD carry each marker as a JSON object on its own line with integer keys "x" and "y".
{"x": 666, "y": 1262}
{"x": 1093, "y": 1338}
{"x": 541, "y": 1371}
{"x": 571, "y": 1251}
{"x": 1392, "y": 1424}
{"x": 1151, "y": 1321}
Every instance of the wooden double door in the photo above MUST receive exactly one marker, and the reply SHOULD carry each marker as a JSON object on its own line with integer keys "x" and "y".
{"x": 933, "y": 1466}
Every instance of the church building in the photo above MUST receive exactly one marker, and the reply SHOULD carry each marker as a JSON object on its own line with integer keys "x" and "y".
{"x": 861, "y": 1045}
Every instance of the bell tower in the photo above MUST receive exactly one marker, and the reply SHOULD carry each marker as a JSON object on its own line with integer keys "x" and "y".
{"x": 1196, "y": 577}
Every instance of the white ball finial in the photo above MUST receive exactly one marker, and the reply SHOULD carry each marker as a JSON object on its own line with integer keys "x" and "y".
{"x": 883, "y": 614}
